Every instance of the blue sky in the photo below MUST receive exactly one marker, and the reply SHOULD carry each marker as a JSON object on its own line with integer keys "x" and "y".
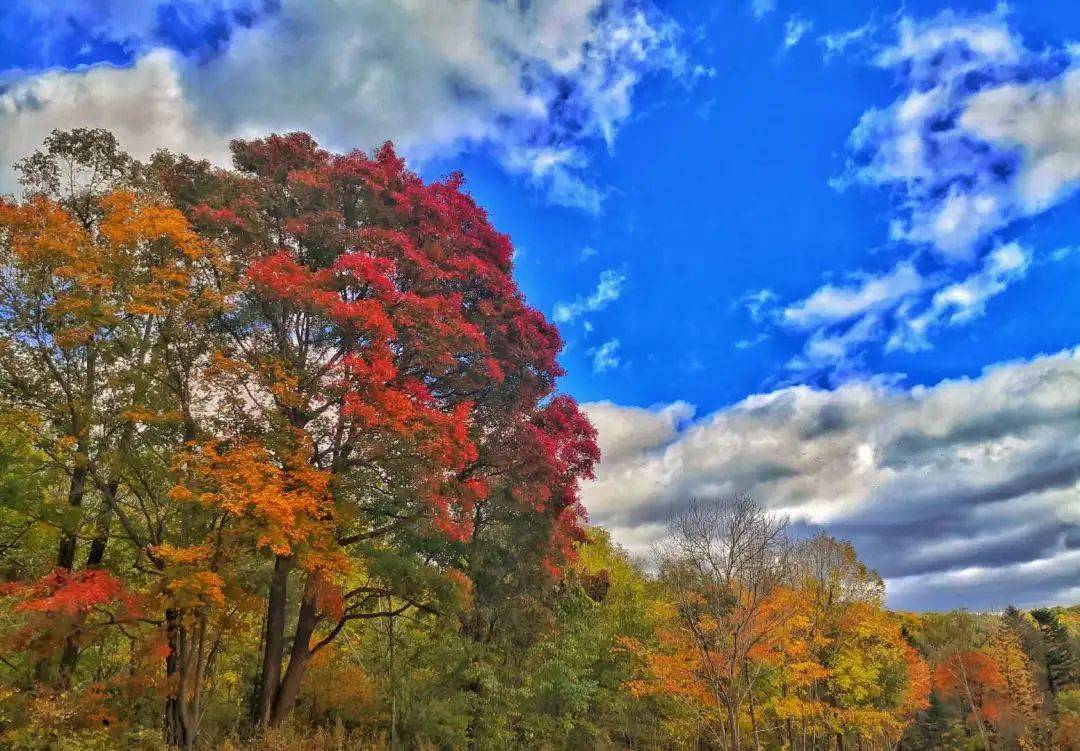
{"x": 821, "y": 252}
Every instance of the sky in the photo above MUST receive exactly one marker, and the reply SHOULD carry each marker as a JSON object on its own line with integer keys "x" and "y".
{"x": 823, "y": 253}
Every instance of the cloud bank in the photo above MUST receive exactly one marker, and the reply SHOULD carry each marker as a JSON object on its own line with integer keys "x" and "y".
{"x": 964, "y": 493}
{"x": 530, "y": 83}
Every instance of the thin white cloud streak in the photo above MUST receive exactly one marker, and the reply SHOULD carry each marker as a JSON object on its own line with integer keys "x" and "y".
{"x": 758, "y": 303}
{"x": 836, "y": 43}
{"x": 608, "y": 290}
{"x": 831, "y": 304}
{"x": 963, "y": 301}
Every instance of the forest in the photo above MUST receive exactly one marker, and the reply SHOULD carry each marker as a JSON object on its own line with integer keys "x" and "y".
{"x": 284, "y": 466}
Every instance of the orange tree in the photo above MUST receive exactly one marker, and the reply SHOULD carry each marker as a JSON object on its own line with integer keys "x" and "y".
{"x": 97, "y": 271}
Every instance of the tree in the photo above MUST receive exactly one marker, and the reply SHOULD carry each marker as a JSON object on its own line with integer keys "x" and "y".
{"x": 976, "y": 678}
{"x": 1019, "y": 717}
{"x": 93, "y": 264}
{"x": 1062, "y": 671}
{"x": 725, "y": 563}
{"x": 379, "y": 341}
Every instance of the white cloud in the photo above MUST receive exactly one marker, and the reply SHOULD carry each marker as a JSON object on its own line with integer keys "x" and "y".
{"x": 606, "y": 356}
{"x": 530, "y": 83}
{"x": 748, "y": 343}
{"x": 1060, "y": 254}
{"x": 143, "y": 105}
{"x": 587, "y": 252}
{"x": 1043, "y": 118}
{"x": 962, "y": 301}
{"x": 837, "y": 42}
{"x": 608, "y": 290}
{"x": 902, "y": 308}
{"x": 832, "y": 348}
{"x": 762, "y": 8}
{"x": 795, "y": 29}
{"x": 978, "y": 475}
{"x": 831, "y": 304}
{"x": 758, "y": 303}
{"x": 625, "y": 433}
{"x": 983, "y": 133}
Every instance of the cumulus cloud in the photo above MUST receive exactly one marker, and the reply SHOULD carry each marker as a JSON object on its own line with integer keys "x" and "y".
{"x": 144, "y": 105}
{"x": 608, "y": 290}
{"x": 1043, "y": 119}
{"x": 966, "y": 492}
{"x": 967, "y": 146}
{"x": 530, "y": 83}
{"x": 983, "y": 133}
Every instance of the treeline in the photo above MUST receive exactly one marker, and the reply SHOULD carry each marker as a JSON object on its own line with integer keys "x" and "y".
{"x": 282, "y": 466}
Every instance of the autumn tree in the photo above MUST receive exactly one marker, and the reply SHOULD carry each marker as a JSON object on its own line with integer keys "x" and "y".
{"x": 844, "y": 667}
{"x": 725, "y": 563}
{"x": 379, "y": 349}
{"x": 94, "y": 262}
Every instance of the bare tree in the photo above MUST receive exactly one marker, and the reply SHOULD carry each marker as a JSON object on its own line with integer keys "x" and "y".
{"x": 724, "y": 561}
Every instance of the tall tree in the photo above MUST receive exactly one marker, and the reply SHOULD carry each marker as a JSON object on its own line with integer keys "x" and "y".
{"x": 1062, "y": 663}
{"x": 93, "y": 262}
{"x": 377, "y": 341}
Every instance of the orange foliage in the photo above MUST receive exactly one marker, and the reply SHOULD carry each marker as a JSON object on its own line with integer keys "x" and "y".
{"x": 284, "y": 504}
{"x": 976, "y": 678}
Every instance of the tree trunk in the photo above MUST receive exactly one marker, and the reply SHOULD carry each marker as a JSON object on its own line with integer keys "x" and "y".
{"x": 299, "y": 655}
{"x": 65, "y": 555}
{"x": 101, "y": 534}
{"x": 46, "y": 669}
{"x": 733, "y": 720}
{"x": 273, "y": 643}
{"x": 69, "y": 656}
{"x": 179, "y": 730}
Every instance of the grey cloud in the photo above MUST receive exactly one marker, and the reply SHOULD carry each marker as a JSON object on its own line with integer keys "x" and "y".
{"x": 978, "y": 475}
